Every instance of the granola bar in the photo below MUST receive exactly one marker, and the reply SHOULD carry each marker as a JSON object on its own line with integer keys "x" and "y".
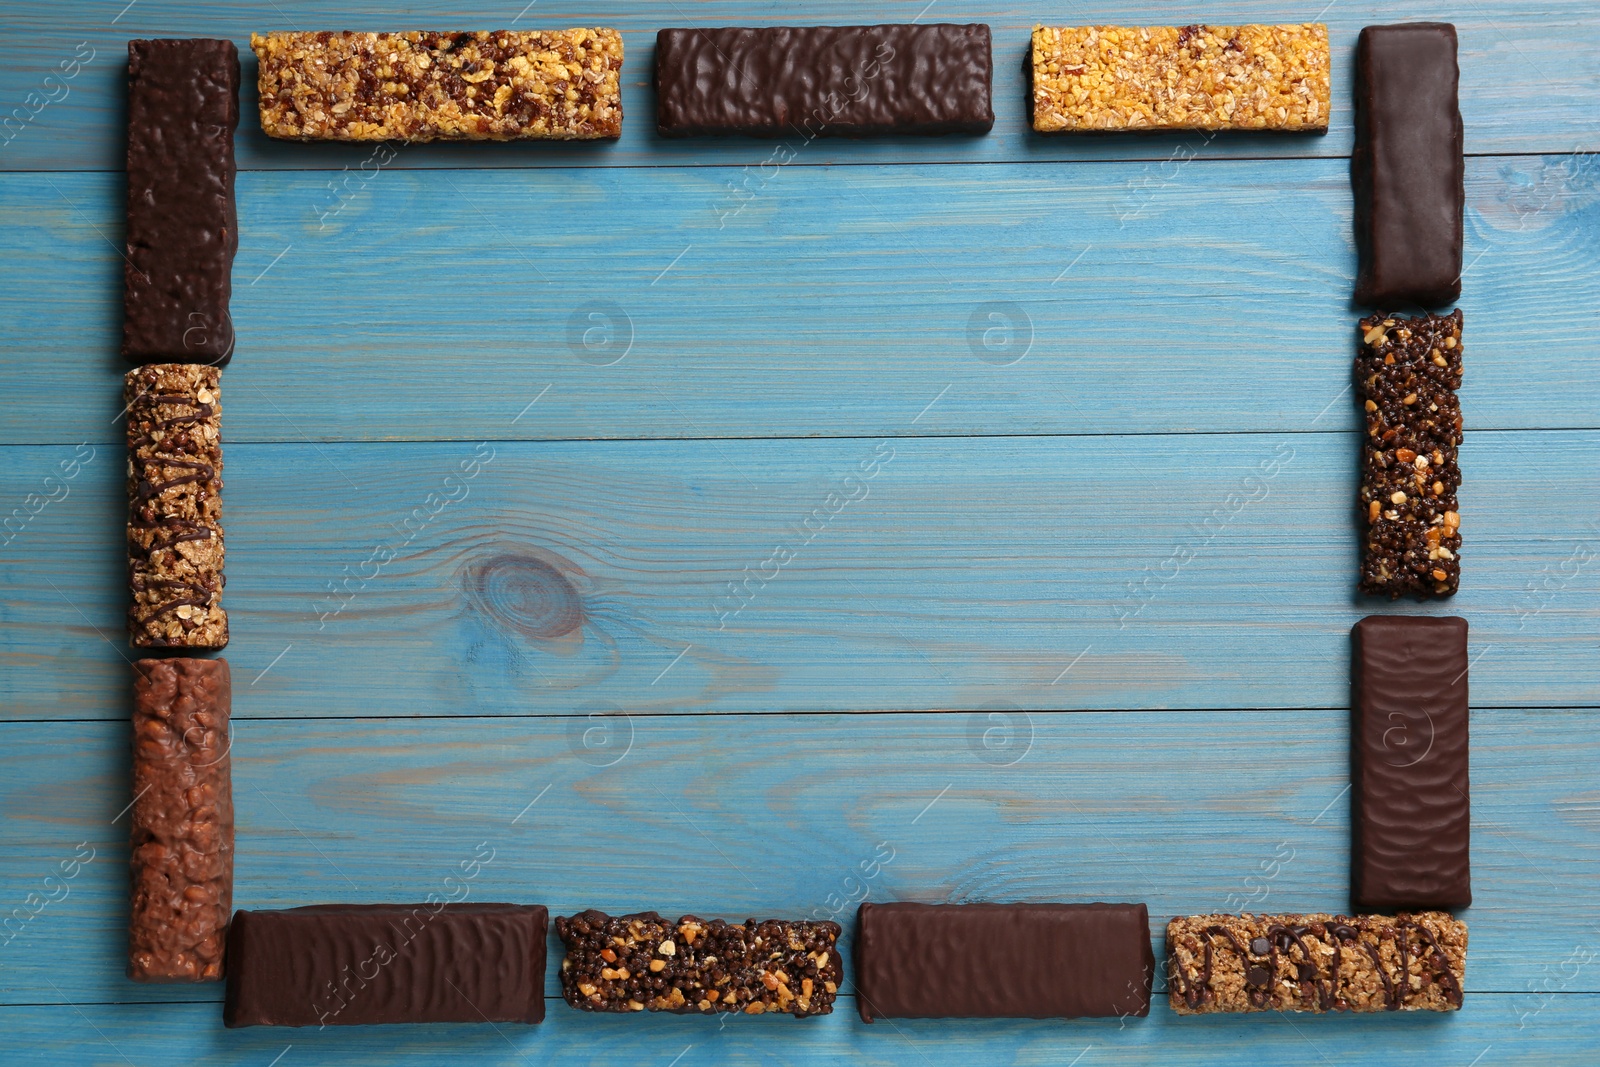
{"x": 643, "y": 962}
{"x": 181, "y": 858}
{"x": 183, "y": 229}
{"x": 1180, "y": 78}
{"x": 1407, "y": 374}
{"x": 500, "y": 85}
{"x": 1316, "y": 963}
{"x": 175, "y": 543}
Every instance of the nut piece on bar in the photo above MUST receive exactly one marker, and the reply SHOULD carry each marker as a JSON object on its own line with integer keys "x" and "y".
{"x": 1180, "y": 78}
{"x": 1406, "y": 377}
{"x": 500, "y": 85}
{"x": 183, "y": 106}
{"x": 358, "y": 964}
{"x": 1407, "y": 168}
{"x": 822, "y": 81}
{"x": 1316, "y": 963}
{"x": 175, "y": 547}
{"x": 697, "y": 966}
{"x": 181, "y": 859}
{"x": 1410, "y": 814}
{"x": 1034, "y": 961}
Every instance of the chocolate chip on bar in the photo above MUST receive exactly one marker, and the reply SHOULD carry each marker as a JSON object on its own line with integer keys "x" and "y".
{"x": 1180, "y": 78}
{"x": 175, "y": 545}
{"x": 1316, "y": 963}
{"x": 488, "y": 86}
{"x": 1407, "y": 374}
{"x": 181, "y": 859}
{"x": 645, "y": 963}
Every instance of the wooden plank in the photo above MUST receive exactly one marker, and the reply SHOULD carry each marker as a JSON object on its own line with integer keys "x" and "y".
{"x": 784, "y": 815}
{"x": 1184, "y": 571}
{"x": 839, "y": 302}
{"x": 1524, "y": 86}
{"x": 1561, "y": 1035}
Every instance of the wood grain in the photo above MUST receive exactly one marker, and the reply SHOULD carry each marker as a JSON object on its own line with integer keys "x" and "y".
{"x": 835, "y": 302}
{"x": 1515, "y": 62}
{"x": 1086, "y": 572}
{"x": 780, "y": 815}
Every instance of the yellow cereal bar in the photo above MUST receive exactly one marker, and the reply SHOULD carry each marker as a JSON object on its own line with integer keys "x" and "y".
{"x": 500, "y": 85}
{"x": 1180, "y": 78}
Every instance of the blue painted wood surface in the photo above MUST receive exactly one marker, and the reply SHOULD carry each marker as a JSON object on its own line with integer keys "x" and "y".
{"x": 1065, "y": 365}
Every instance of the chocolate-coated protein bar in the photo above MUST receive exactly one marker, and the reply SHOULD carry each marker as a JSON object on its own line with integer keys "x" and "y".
{"x": 181, "y": 858}
{"x": 1408, "y": 169}
{"x": 1038, "y": 961}
{"x": 820, "y": 81}
{"x": 183, "y": 106}
{"x": 175, "y": 547}
{"x": 1180, "y": 78}
{"x": 501, "y": 85}
{"x": 357, "y": 964}
{"x": 642, "y": 962}
{"x": 1315, "y": 963}
{"x": 1406, "y": 378}
{"x": 1410, "y": 812}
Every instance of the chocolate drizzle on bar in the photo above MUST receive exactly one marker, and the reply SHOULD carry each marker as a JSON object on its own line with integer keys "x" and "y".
{"x": 175, "y": 541}
{"x": 1222, "y": 963}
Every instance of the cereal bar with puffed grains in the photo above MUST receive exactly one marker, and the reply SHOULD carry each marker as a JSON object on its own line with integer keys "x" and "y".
{"x": 1316, "y": 963}
{"x": 1406, "y": 376}
{"x": 175, "y": 543}
{"x": 1180, "y": 78}
{"x": 500, "y": 85}
{"x": 642, "y": 962}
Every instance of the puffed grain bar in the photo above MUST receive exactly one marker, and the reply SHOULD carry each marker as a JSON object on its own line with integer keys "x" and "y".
{"x": 1180, "y": 78}
{"x": 1406, "y": 376}
{"x": 181, "y": 859}
{"x": 1410, "y": 810}
{"x": 175, "y": 543}
{"x": 361, "y": 964}
{"x": 642, "y": 962}
{"x": 500, "y": 85}
{"x": 1316, "y": 963}
{"x": 1019, "y": 961}
{"x": 1408, "y": 169}
{"x": 183, "y": 231}
{"x": 824, "y": 81}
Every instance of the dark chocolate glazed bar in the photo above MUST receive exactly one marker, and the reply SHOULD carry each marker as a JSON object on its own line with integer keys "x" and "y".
{"x": 183, "y": 106}
{"x": 1316, "y": 963}
{"x": 1406, "y": 377}
{"x": 1407, "y": 168}
{"x": 642, "y": 962}
{"x": 815, "y": 81}
{"x": 349, "y": 964}
{"x": 1036, "y": 961}
{"x": 1410, "y": 813}
{"x": 181, "y": 844}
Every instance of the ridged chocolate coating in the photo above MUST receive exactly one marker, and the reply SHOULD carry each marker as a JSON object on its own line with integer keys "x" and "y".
{"x": 1032, "y": 961}
{"x": 183, "y": 106}
{"x": 1407, "y": 168}
{"x": 348, "y": 964}
{"x": 1411, "y": 814}
{"x": 810, "y": 81}
{"x": 180, "y": 860}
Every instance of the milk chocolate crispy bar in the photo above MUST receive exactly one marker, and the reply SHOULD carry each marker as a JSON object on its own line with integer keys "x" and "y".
{"x": 502, "y": 85}
{"x": 1316, "y": 963}
{"x": 1407, "y": 374}
{"x": 694, "y": 966}
{"x": 1180, "y": 78}
{"x": 175, "y": 549}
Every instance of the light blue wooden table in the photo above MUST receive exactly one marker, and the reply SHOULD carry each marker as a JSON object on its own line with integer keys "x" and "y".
{"x": 987, "y": 500}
